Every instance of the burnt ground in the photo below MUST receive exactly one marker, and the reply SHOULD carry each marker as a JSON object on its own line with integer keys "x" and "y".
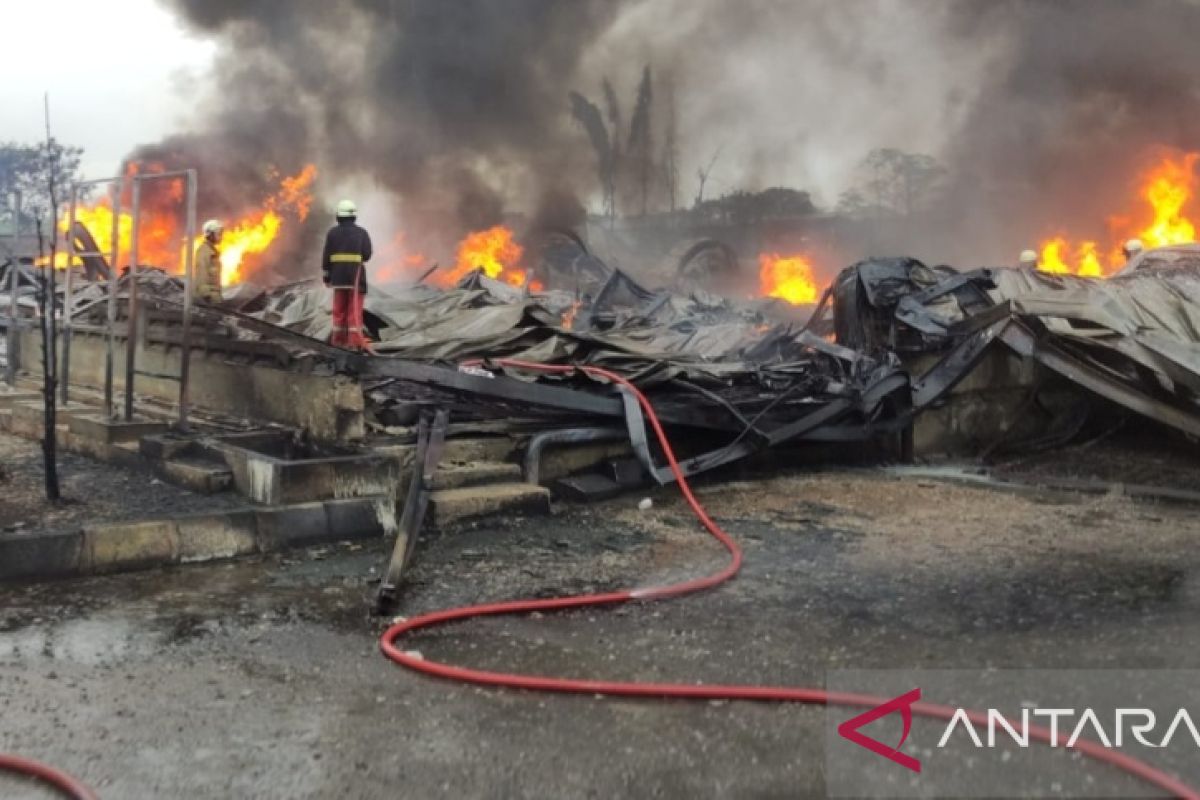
{"x": 91, "y": 491}
{"x": 1130, "y": 454}
{"x": 262, "y": 678}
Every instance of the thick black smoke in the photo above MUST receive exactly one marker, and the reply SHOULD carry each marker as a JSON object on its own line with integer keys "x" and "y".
{"x": 1042, "y": 111}
{"x": 1086, "y": 93}
{"x": 455, "y": 107}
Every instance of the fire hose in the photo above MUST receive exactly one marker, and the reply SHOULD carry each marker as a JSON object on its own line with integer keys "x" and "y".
{"x": 784, "y": 694}
{"x": 70, "y": 787}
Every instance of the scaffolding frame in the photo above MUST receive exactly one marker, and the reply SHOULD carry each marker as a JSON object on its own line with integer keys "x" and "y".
{"x": 14, "y": 283}
{"x": 134, "y": 311}
{"x": 116, "y": 188}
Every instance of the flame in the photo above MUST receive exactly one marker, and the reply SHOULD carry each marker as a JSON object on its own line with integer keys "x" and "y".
{"x": 568, "y": 317}
{"x": 1166, "y": 190}
{"x": 788, "y": 278}
{"x": 1058, "y": 256}
{"x": 253, "y": 234}
{"x": 247, "y": 236}
{"x": 497, "y": 253}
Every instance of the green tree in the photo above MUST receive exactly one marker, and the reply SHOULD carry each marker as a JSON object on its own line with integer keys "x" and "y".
{"x": 895, "y": 182}
{"x": 37, "y": 171}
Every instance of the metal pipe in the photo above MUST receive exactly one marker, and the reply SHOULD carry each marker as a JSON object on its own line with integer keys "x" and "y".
{"x": 68, "y": 299}
{"x": 131, "y": 314}
{"x": 531, "y": 463}
{"x": 14, "y": 283}
{"x": 115, "y": 190}
{"x": 189, "y": 265}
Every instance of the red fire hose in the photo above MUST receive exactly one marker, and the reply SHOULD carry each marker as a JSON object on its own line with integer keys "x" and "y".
{"x": 388, "y": 642}
{"x": 72, "y": 788}
{"x": 47, "y": 774}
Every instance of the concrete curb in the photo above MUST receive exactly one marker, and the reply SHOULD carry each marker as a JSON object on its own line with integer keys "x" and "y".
{"x": 145, "y": 544}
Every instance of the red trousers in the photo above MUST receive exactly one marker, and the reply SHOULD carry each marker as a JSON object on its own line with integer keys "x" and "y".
{"x": 348, "y": 320}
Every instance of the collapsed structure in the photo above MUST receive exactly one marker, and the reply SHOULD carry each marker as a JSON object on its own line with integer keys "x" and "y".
{"x": 897, "y": 358}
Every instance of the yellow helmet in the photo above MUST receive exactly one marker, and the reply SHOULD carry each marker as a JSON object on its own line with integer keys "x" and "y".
{"x": 346, "y": 208}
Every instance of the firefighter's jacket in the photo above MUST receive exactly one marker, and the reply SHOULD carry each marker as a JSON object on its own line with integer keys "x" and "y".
{"x": 207, "y": 272}
{"x": 347, "y": 250}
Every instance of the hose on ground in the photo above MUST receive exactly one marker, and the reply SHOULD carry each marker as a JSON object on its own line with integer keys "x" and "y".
{"x": 64, "y": 783}
{"x": 389, "y": 642}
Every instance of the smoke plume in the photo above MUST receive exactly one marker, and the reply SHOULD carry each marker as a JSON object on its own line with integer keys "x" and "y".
{"x": 1040, "y": 111}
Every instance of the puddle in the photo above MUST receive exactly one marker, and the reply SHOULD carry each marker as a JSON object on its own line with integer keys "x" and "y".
{"x": 91, "y": 642}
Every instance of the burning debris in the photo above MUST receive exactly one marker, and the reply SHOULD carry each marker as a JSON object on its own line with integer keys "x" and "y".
{"x": 789, "y": 278}
{"x": 1167, "y": 190}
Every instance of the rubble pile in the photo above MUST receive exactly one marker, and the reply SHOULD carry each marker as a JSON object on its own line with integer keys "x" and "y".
{"x": 889, "y": 339}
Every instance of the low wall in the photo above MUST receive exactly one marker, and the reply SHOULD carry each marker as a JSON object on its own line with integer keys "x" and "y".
{"x": 330, "y": 407}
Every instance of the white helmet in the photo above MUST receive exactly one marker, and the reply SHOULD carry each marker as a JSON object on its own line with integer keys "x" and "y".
{"x": 213, "y": 226}
{"x": 346, "y": 208}
{"x": 1028, "y": 258}
{"x": 1133, "y": 247}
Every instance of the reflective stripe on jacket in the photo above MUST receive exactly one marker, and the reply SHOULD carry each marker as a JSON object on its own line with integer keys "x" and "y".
{"x": 343, "y": 262}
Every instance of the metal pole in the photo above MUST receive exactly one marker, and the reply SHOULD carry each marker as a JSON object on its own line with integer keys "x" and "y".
{"x": 14, "y": 283}
{"x": 114, "y": 190}
{"x": 132, "y": 313}
{"x": 68, "y": 300}
{"x": 189, "y": 266}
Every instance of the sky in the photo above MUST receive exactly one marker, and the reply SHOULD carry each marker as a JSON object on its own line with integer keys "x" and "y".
{"x": 119, "y": 75}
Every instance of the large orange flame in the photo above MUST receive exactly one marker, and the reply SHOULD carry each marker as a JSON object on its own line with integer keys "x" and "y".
{"x": 496, "y": 252}
{"x": 248, "y": 236}
{"x": 788, "y": 278}
{"x": 253, "y": 233}
{"x": 1167, "y": 190}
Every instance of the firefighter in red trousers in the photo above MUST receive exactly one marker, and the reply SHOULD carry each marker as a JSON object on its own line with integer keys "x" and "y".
{"x": 344, "y": 262}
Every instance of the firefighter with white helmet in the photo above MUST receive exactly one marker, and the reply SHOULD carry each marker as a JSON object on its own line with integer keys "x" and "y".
{"x": 1131, "y": 248}
{"x": 1029, "y": 258}
{"x": 344, "y": 268}
{"x": 206, "y": 279}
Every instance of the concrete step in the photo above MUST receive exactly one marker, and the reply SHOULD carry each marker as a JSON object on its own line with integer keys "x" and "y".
{"x": 94, "y": 426}
{"x": 476, "y": 473}
{"x": 8, "y": 396}
{"x": 196, "y": 474}
{"x": 448, "y": 507}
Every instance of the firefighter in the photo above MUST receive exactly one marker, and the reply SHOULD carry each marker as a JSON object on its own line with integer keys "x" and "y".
{"x": 343, "y": 263}
{"x": 1131, "y": 249}
{"x": 206, "y": 276}
{"x": 1028, "y": 259}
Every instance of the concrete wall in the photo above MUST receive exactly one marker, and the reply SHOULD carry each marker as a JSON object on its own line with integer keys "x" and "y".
{"x": 989, "y": 401}
{"x": 330, "y": 407}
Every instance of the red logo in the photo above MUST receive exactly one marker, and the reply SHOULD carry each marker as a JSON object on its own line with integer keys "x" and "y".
{"x": 903, "y": 704}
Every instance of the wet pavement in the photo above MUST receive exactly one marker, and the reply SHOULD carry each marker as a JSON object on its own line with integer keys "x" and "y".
{"x": 262, "y": 678}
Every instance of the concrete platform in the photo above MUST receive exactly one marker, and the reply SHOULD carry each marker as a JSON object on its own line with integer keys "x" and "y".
{"x": 449, "y": 507}
{"x": 203, "y": 477}
{"x": 9, "y": 395}
{"x": 97, "y": 428}
{"x": 457, "y": 476}
{"x": 145, "y": 544}
{"x": 272, "y": 479}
